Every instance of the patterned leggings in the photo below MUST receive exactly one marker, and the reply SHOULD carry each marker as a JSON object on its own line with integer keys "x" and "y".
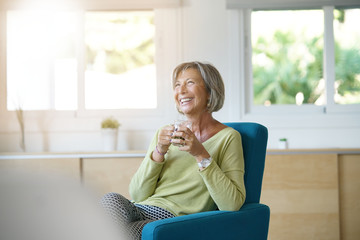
{"x": 131, "y": 217}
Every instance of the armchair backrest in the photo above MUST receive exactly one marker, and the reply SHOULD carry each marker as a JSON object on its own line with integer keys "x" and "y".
{"x": 254, "y": 138}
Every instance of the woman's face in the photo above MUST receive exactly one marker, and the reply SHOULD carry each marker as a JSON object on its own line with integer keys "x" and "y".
{"x": 190, "y": 92}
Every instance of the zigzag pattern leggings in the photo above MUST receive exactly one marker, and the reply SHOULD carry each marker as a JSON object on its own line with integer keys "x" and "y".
{"x": 131, "y": 217}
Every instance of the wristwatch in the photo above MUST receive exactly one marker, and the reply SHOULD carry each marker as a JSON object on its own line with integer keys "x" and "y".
{"x": 205, "y": 162}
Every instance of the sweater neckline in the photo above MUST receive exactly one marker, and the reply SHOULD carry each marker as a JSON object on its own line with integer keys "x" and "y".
{"x": 214, "y": 136}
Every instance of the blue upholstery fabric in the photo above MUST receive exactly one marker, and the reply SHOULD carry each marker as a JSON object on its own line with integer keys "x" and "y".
{"x": 250, "y": 222}
{"x": 254, "y": 141}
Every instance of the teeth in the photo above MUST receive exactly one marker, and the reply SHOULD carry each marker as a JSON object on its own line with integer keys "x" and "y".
{"x": 185, "y": 100}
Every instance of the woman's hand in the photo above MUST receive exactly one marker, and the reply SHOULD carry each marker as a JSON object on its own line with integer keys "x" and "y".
{"x": 186, "y": 140}
{"x": 163, "y": 144}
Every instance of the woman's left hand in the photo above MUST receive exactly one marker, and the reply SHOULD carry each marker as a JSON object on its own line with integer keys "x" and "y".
{"x": 186, "y": 140}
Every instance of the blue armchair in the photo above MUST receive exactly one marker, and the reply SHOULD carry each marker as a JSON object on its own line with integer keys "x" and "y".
{"x": 251, "y": 222}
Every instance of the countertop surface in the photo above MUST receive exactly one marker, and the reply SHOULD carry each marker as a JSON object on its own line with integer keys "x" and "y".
{"x": 49, "y": 155}
{"x": 140, "y": 154}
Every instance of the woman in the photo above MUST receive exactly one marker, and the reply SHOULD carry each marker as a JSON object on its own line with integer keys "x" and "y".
{"x": 186, "y": 170}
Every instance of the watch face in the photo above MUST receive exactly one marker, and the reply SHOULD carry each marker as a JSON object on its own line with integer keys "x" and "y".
{"x": 205, "y": 162}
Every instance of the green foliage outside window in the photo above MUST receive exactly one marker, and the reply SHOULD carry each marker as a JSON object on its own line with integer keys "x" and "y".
{"x": 288, "y": 65}
{"x": 122, "y": 41}
{"x": 347, "y": 70}
{"x": 286, "y": 73}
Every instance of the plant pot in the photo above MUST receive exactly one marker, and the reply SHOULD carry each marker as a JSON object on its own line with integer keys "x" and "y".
{"x": 110, "y": 139}
{"x": 283, "y": 144}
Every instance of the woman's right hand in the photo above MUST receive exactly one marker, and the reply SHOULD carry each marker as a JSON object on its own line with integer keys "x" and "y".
{"x": 163, "y": 143}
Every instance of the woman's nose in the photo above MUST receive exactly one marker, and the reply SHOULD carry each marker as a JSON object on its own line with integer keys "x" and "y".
{"x": 182, "y": 88}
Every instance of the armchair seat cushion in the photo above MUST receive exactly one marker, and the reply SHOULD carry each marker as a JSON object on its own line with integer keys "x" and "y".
{"x": 250, "y": 221}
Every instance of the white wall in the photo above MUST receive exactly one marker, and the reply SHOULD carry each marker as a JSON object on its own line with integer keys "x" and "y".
{"x": 198, "y": 30}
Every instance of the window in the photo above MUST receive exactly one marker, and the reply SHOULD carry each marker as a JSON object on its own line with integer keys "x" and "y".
{"x": 120, "y": 67}
{"x": 41, "y": 60}
{"x": 347, "y": 56}
{"x": 44, "y": 67}
{"x": 296, "y": 58}
{"x": 287, "y": 48}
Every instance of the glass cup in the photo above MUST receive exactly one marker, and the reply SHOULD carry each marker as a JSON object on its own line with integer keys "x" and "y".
{"x": 181, "y": 122}
{"x": 177, "y": 124}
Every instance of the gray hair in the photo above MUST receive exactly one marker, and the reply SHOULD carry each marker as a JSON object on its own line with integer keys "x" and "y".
{"x": 212, "y": 79}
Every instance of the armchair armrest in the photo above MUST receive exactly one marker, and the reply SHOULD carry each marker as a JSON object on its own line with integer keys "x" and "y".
{"x": 250, "y": 222}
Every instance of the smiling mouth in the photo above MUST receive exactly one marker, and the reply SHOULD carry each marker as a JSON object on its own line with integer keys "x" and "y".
{"x": 185, "y": 100}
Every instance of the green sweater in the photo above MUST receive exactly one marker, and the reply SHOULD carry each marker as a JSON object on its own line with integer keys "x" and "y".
{"x": 178, "y": 185}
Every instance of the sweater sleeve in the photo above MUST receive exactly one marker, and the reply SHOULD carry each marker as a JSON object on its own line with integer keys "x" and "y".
{"x": 224, "y": 177}
{"x": 144, "y": 181}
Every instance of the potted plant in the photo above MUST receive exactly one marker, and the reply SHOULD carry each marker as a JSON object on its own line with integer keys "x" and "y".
{"x": 109, "y": 130}
{"x": 283, "y": 143}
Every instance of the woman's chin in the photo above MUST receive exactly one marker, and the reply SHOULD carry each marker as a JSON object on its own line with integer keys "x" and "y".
{"x": 190, "y": 110}
{"x": 184, "y": 110}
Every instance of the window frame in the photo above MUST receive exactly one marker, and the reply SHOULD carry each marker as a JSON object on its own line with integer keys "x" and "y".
{"x": 240, "y": 32}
